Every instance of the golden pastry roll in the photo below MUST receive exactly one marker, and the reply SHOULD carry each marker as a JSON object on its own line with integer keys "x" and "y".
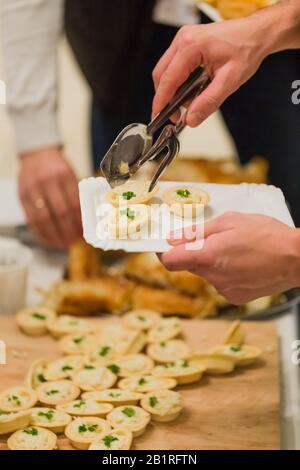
{"x": 84, "y": 261}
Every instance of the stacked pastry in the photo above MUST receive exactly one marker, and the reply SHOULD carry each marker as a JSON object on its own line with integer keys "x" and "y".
{"x": 109, "y": 383}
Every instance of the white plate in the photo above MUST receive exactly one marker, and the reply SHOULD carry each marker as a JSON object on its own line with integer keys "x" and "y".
{"x": 247, "y": 198}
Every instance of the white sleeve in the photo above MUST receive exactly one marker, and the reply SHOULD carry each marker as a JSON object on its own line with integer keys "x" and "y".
{"x": 31, "y": 31}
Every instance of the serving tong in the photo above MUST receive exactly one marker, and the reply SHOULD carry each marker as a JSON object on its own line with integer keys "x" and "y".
{"x": 134, "y": 145}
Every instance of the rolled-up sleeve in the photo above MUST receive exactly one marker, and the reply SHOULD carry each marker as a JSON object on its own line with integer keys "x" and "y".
{"x": 31, "y": 30}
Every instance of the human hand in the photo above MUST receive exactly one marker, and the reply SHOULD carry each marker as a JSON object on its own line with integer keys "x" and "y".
{"x": 48, "y": 190}
{"x": 230, "y": 52}
{"x": 244, "y": 256}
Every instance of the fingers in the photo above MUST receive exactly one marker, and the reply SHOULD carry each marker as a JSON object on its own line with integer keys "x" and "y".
{"x": 70, "y": 186}
{"x": 185, "y": 257}
{"x": 198, "y": 232}
{"x": 163, "y": 64}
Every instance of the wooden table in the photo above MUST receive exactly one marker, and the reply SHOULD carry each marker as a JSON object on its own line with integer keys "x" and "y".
{"x": 236, "y": 411}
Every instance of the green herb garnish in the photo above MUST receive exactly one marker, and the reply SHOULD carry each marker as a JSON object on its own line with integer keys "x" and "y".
{"x": 163, "y": 344}
{"x": 31, "y": 431}
{"x": 142, "y": 381}
{"x": 108, "y": 440}
{"x": 39, "y": 316}
{"x": 80, "y": 404}
{"x": 41, "y": 378}
{"x": 47, "y": 414}
{"x": 114, "y": 368}
{"x": 140, "y": 317}
{"x": 66, "y": 368}
{"x": 128, "y": 195}
{"x": 84, "y": 428}
{"x": 130, "y": 412}
{"x": 114, "y": 395}
{"x": 104, "y": 351}
{"x": 235, "y": 348}
{"x": 130, "y": 214}
{"x": 78, "y": 340}
{"x": 15, "y": 399}
{"x": 153, "y": 401}
{"x": 52, "y": 392}
{"x": 89, "y": 367}
{"x": 185, "y": 363}
{"x": 183, "y": 193}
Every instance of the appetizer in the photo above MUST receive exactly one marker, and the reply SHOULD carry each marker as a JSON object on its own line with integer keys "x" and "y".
{"x": 141, "y": 319}
{"x": 35, "y": 375}
{"x": 33, "y": 320}
{"x": 183, "y": 371}
{"x": 63, "y": 368}
{"x": 85, "y": 407}
{"x": 133, "y": 418}
{"x": 242, "y": 355}
{"x": 66, "y": 324}
{"x": 57, "y": 393}
{"x": 115, "y": 396}
{"x": 167, "y": 328}
{"x": 83, "y": 431}
{"x": 121, "y": 341}
{"x": 32, "y": 438}
{"x": 168, "y": 351}
{"x": 214, "y": 364}
{"x": 99, "y": 378}
{"x": 11, "y": 422}
{"x": 185, "y": 201}
{"x": 128, "y": 221}
{"x": 16, "y": 399}
{"x": 163, "y": 405}
{"x": 134, "y": 364}
{"x": 76, "y": 343}
{"x": 117, "y": 439}
{"x": 104, "y": 352}
{"x": 132, "y": 192}
{"x": 54, "y": 420}
{"x": 146, "y": 383}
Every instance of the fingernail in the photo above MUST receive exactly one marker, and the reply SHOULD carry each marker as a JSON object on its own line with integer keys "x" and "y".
{"x": 183, "y": 235}
{"x": 194, "y": 119}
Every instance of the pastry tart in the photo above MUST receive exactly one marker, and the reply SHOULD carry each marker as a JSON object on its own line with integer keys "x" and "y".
{"x": 16, "y": 399}
{"x": 115, "y": 396}
{"x": 183, "y": 371}
{"x": 63, "y": 368}
{"x": 99, "y": 378}
{"x": 49, "y": 418}
{"x": 185, "y": 201}
{"x": 66, "y": 324}
{"x": 134, "y": 364}
{"x": 76, "y": 343}
{"x": 86, "y": 407}
{"x": 33, "y": 321}
{"x": 235, "y": 334}
{"x": 121, "y": 340}
{"x": 32, "y": 438}
{"x": 57, "y": 393}
{"x": 83, "y": 431}
{"x": 132, "y": 192}
{"x": 163, "y": 405}
{"x": 167, "y": 328}
{"x": 213, "y": 363}
{"x": 146, "y": 383}
{"x": 168, "y": 351}
{"x": 242, "y": 355}
{"x": 11, "y": 422}
{"x": 36, "y": 374}
{"x": 127, "y": 221}
{"x": 117, "y": 439}
{"x": 133, "y": 418}
{"x": 104, "y": 352}
{"x": 141, "y": 319}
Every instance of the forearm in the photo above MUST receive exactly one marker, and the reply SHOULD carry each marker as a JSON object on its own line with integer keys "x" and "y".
{"x": 31, "y": 31}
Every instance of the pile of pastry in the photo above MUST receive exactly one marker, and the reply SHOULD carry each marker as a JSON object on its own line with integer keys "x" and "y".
{"x": 230, "y": 9}
{"x": 110, "y": 381}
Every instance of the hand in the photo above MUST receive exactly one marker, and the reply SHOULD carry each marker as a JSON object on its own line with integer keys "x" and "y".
{"x": 230, "y": 51}
{"x": 48, "y": 190}
{"x": 244, "y": 256}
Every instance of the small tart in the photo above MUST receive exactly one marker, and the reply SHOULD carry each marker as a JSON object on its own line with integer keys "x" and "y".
{"x": 243, "y": 355}
{"x": 127, "y": 221}
{"x": 57, "y": 393}
{"x": 141, "y": 319}
{"x": 213, "y": 363}
{"x": 76, "y": 343}
{"x": 134, "y": 364}
{"x": 132, "y": 192}
{"x": 122, "y": 340}
{"x": 36, "y": 374}
{"x": 183, "y": 371}
{"x": 86, "y": 407}
{"x": 133, "y": 418}
{"x": 147, "y": 383}
{"x": 168, "y": 351}
{"x": 104, "y": 352}
{"x": 83, "y": 431}
{"x": 167, "y": 328}
{"x": 32, "y": 438}
{"x": 99, "y": 378}
{"x": 235, "y": 334}
{"x": 185, "y": 201}
{"x": 33, "y": 321}
{"x": 11, "y": 422}
{"x": 63, "y": 368}
{"x": 163, "y": 405}
{"x": 50, "y": 418}
{"x": 115, "y": 396}
{"x": 16, "y": 399}
{"x": 117, "y": 439}
{"x": 66, "y": 324}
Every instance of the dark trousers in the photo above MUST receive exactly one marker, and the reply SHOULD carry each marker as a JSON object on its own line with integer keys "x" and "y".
{"x": 260, "y": 116}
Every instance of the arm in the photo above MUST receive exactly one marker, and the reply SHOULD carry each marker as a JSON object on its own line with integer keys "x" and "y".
{"x": 231, "y": 52}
